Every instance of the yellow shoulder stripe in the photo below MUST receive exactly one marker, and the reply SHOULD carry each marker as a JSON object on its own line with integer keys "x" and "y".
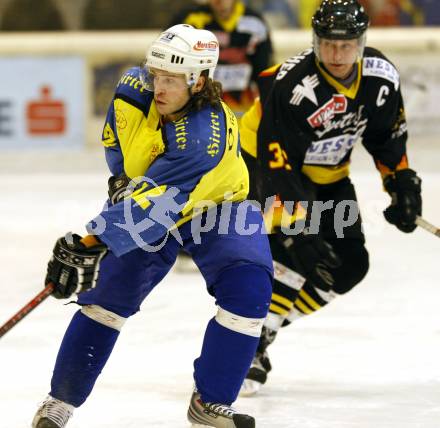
{"x": 248, "y": 128}
{"x": 140, "y": 140}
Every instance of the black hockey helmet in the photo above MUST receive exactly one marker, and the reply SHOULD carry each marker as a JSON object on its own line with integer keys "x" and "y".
{"x": 340, "y": 19}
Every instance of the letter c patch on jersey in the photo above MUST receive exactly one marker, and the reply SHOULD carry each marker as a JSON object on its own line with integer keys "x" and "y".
{"x": 381, "y": 98}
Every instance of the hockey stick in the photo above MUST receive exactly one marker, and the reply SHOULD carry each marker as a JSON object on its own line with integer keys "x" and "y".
{"x": 25, "y": 310}
{"x": 427, "y": 226}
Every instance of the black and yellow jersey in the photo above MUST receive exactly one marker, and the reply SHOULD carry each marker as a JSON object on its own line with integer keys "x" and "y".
{"x": 245, "y": 49}
{"x": 307, "y": 123}
{"x": 196, "y": 158}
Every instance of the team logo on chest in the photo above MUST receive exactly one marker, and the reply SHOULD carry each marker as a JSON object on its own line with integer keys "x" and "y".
{"x": 338, "y": 104}
{"x": 306, "y": 90}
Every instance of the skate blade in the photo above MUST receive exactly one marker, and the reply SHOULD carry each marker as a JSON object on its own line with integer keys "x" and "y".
{"x": 249, "y": 388}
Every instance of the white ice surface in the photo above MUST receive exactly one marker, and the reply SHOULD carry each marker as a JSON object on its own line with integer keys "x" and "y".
{"x": 371, "y": 359}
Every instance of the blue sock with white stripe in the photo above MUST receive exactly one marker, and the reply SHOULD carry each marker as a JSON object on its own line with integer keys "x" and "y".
{"x": 85, "y": 349}
{"x": 243, "y": 291}
{"x": 223, "y": 364}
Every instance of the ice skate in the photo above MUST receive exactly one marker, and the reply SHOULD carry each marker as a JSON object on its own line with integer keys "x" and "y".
{"x": 257, "y": 375}
{"x": 52, "y": 413}
{"x": 216, "y": 415}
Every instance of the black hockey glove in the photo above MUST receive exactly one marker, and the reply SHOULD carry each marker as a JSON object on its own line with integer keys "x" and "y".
{"x": 312, "y": 257}
{"x": 406, "y": 200}
{"x": 117, "y": 186}
{"x": 74, "y": 267}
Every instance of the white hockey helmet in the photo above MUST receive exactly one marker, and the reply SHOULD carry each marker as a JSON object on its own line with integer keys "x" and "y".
{"x": 183, "y": 49}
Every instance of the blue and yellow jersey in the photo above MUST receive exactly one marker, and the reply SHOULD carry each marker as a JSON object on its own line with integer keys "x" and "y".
{"x": 177, "y": 165}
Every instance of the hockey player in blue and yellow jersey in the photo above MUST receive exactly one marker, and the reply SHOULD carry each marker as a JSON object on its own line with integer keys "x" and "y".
{"x": 179, "y": 182}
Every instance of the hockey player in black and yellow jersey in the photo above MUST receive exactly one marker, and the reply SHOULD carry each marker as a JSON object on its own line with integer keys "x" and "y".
{"x": 298, "y": 138}
{"x": 245, "y": 46}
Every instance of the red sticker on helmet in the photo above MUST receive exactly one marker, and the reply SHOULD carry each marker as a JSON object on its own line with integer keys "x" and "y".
{"x": 210, "y": 46}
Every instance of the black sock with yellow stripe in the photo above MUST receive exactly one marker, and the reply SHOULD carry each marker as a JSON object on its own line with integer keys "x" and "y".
{"x": 283, "y": 298}
{"x": 308, "y": 301}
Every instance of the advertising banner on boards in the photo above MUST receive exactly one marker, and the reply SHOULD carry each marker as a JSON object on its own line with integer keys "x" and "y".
{"x": 42, "y": 102}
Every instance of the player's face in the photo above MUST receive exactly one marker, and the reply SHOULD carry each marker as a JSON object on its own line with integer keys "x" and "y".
{"x": 339, "y": 56}
{"x": 171, "y": 92}
{"x": 222, "y": 8}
